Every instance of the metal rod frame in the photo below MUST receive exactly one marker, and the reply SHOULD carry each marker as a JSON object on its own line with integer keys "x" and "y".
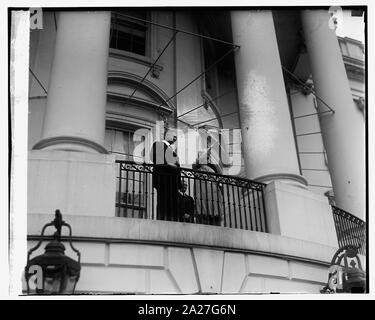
{"x": 303, "y": 84}
{"x": 36, "y": 78}
{"x": 152, "y": 65}
{"x": 179, "y": 30}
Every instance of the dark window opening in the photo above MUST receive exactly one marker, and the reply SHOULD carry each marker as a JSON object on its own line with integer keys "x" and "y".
{"x": 128, "y": 34}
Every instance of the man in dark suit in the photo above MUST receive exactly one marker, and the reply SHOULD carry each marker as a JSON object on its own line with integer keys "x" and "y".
{"x": 166, "y": 178}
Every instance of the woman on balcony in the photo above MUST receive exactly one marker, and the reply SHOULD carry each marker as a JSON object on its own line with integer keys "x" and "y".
{"x": 209, "y": 200}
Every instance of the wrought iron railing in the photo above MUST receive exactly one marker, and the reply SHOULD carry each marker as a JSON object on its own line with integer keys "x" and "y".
{"x": 145, "y": 191}
{"x": 350, "y": 229}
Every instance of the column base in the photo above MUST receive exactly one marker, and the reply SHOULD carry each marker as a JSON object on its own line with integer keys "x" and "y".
{"x": 298, "y": 213}
{"x": 67, "y": 143}
{"x": 77, "y": 183}
{"x": 290, "y": 178}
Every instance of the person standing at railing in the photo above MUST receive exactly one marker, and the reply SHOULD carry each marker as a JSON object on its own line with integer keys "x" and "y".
{"x": 208, "y": 201}
{"x": 166, "y": 177}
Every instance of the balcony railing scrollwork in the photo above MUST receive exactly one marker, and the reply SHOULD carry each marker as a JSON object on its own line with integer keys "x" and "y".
{"x": 350, "y": 229}
{"x": 202, "y": 197}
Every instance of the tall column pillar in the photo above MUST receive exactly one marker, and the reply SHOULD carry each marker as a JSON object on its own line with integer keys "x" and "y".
{"x": 75, "y": 112}
{"x": 343, "y": 131}
{"x": 267, "y": 134}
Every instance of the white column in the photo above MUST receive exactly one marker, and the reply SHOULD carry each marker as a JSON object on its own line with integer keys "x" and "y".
{"x": 75, "y": 112}
{"x": 267, "y": 134}
{"x": 343, "y": 131}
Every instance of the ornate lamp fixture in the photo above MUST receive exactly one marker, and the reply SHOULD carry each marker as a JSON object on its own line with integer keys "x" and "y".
{"x": 53, "y": 272}
{"x": 345, "y": 273}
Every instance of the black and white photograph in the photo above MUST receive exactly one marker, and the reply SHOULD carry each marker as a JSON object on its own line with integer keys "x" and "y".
{"x": 188, "y": 151}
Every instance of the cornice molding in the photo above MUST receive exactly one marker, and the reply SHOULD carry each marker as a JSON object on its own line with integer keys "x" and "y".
{"x": 146, "y": 85}
{"x": 146, "y": 61}
{"x": 115, "y": 96}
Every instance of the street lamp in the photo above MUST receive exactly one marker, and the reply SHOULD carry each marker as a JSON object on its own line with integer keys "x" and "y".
{"x": 53, "y": 272}
{"x": 345, "y": 275}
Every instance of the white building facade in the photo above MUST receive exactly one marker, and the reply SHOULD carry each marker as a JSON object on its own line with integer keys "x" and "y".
{"x": 293, "y": 89}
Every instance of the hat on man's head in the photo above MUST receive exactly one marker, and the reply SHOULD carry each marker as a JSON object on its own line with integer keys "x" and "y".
{"x": 170, "y": 134}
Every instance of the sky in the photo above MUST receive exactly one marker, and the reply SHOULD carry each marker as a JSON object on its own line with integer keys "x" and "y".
{"x": 352, "y": 27}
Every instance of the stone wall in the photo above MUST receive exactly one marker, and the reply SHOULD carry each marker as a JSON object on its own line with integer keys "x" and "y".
{"x": 154, "y": 269}
{"x": 123, "y": 255}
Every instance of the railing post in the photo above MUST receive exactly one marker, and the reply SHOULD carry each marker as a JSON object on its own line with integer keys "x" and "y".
{"x": 119, "y": 189}
{"x": 264, "y": 210}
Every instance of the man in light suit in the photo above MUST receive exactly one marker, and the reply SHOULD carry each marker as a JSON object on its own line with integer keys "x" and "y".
{"x": 166, "y": 177}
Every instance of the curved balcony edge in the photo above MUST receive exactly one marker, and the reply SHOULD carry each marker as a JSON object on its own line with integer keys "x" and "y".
{"x": 142, "y": 231}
